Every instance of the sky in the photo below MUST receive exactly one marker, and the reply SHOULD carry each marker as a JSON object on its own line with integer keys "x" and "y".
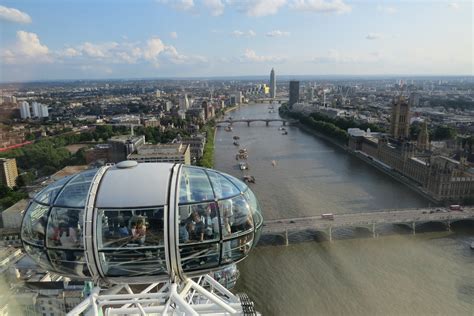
{"x": 91, "y": 39}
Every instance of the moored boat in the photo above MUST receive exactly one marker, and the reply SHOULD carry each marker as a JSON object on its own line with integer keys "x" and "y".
{"x": 243, "y": 166}
{"x": 249, "y": 179}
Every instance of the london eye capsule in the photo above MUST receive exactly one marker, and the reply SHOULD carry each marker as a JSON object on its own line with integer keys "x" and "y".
{"x": 132, "y": 223}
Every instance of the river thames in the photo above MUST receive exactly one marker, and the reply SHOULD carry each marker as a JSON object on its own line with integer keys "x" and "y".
{"x": 430, "y": 273}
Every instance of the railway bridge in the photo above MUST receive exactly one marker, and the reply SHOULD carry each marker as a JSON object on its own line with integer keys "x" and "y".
{"x": 248, "y": 121}
{"x": 370, "y": 220}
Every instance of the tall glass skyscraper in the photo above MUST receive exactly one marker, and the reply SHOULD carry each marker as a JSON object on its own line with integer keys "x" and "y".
{"x": 273, "y": 86}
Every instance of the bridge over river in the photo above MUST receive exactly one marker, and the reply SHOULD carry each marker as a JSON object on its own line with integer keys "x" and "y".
{"x": 248, "y": 121}
{"x": 370, "y": 221}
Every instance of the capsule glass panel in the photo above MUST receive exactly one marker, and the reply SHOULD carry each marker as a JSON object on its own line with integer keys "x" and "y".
{"x": 238, "y": 248}
{"x": 75, "y": 192}
{"x": 48, "y": 194}
{"x": 241, "y": 219}
{"x": 39, "y": 255}
{"x": 222, "y": 186}
{"x": 255, "y": 207}
{"x": 70, "y": 262}
{"x": 131, "y": 241}
{"x": 198, "y": 222}
{"x": 194, "y": 186}
{"x": 34, "y": 224}
{"x": 65, "y": 228}
{"x": 199, "y": 256}
{"x": 242, "y": 186}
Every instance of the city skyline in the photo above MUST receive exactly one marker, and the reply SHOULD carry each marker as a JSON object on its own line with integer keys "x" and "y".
{"x": 162, "y": 39}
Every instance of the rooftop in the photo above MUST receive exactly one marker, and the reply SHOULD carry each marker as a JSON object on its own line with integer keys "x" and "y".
{"x": 18, "y": 207}
{"x": 67, "y": 171}
{"x": 160, "y": 150}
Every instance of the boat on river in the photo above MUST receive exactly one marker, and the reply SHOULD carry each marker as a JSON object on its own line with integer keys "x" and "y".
{"x": 243, "y": 166}
{"x": 249, "y": 179}
{"x": 241, "y": 156}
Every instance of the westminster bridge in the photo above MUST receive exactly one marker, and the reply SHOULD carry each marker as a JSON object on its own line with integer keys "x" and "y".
{"x": 370, "y": 221}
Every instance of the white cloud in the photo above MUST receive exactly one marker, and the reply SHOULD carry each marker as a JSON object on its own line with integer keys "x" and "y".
{"x": 216, "y": 6}
{"x": 174, "y": 35}
{"x": 386, "y": 9}
{"x": 70, "y": 52}
{"x": 258, "y": 7}
{"x": 102, "y": 50}
{"x": 249, "y": 33}
{"x": 153, "y": 49}
{"x": 14, "y": 15}
{"x": 277, "y": 33}
{"x": 251, "y": 56}
{"x": 183, "y": 5}
{"x": 171, "y": 54}
{"x": 30, "y": 45}
{"x": 374, "y": 36}
{"x": 321, "y": 6}
{"x": 129, "y": 55}
{"x": 454, "y": 5}
{"x": 27, "y": 49}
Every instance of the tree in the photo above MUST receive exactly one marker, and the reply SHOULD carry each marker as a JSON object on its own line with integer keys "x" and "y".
{"x": 444, "y": 133}
{"x": 8, "y": 197}
{"x": 25, "y": 179}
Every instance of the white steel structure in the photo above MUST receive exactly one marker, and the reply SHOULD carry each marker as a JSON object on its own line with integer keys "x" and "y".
{"x": 162, "y": 224}
{"x": 203, "y": 296}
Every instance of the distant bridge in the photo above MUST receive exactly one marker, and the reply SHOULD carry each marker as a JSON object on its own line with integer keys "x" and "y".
{"x": 369, "y": 221}
{"x": 269, "y": 100}
{"x": 248, "y": 121}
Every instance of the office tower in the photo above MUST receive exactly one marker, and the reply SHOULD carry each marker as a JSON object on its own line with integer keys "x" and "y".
{"x": 272, "y": 84}
{"x": 294, "y": 92}
{"x": 44, "y": 111}
{"x": 35, "y": 109}
{"x": 25, "y": 110}
{"x": 400, "y": 120}
{"x": 8, "y": 172}
{"x": 184, "y": 102}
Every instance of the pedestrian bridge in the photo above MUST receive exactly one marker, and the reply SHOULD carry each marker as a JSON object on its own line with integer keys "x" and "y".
{"x": 248, "y": 121}
{"x": 370, "y": 221}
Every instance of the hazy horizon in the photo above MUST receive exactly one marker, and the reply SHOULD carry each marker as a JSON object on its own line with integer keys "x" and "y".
{"x": 253, "y": 77}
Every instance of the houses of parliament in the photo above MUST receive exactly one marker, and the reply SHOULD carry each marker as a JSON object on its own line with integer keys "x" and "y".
{"x": 444, "y": 179}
